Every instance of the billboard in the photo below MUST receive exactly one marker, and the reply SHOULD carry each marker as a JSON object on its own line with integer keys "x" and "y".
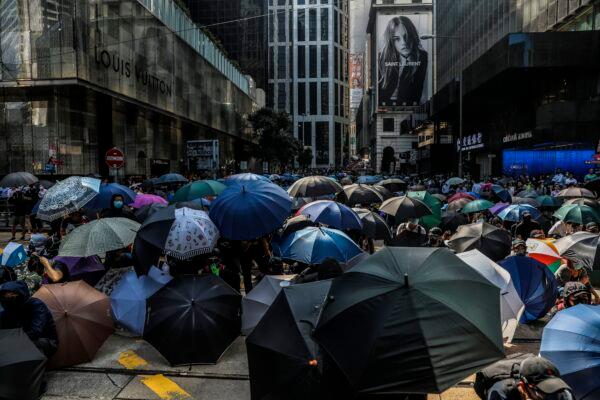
{"x": 404, "y": 70}
{"x": 356, "y": 79}
{"x": 202, "y": 155}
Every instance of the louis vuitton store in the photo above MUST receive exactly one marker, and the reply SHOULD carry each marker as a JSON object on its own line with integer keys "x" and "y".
{"x": 78, "y": 77}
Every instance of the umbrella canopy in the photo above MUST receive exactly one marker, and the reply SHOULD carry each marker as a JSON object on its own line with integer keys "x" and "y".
{"x": 332, "y": 214}
{"x": 583, "y": 246}
{"x": 417, "y": 188}
{"x": 256, "y": 303}
{"x": 143, "y": 200}
{"x": 511, "y": 306}
{"x": 548, "y": 201}
{"x": 296, "y": 223}
{"x": 369, "y": 179}
{"x": 575, "y": 192}
{"x": 244, "y": 178}
{"x": 82, "y": 318}
{"x": 17, "y": 179}
{"x": 128, "y": 298}
{"x": 360, "y": 194}
{"x": 527, "y": 200}
{"x": 455, "y": 181}
{"x": 571, "y": 340}
{"x": 440, "y": 197}
{"x": 171, "y": 178}
{"x": 450, "y": 221}
{"x": 250, "y": 210}
{"x": 582, "y": 201}
{"x": 141, "y": 214}
{"x": 577, "y": 214}
{"x": 461, "y": 195}
{"x": 193, "y": 319}
{"x": 544, "y": 251}
{"x": 107, "y": 191}
{"x": 13, "y": 254}
{"x": 529, "y": 193}
{"x": 21, "y": 366}
{"x": 477, "y": 206}
{"x": 457, "y": 205}
{"x": 46, "y": 184}
{"x": 98, "y": 237}
{"x": 313, "y": 245}
{"x": 403, "y": 208}
{"x": 410, "y": 323}
{"x": 514, "y": 212}
{"x": 535, "y": 284}
{"x": 383, "y": 192}
{"x": 494, "y": 242}
{"x": 373, "y": 226}
{"x": 67, "y": 196}
{"x": 283, "y": 359}
{"x": 198, "y": 189}
{"x": 501, "y": 194}
{"x": 314, "y": 186}
{"x": 498, "y": 207}
{"x": 429, "y": 221}
{"x": 393, "y": 185}
{"x": 81, "y": 267}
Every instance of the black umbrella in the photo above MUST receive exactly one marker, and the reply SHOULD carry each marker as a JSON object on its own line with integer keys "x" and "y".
{"x": 452, "y": 220}
{"x": 393, "y": 185}
{"x": 314, "y": 186}
{"x": 46, "y": 184}
{"x": 526, "y": 200}
{"x": 582, "y": 246}
{"x": 359, "y": 194}
{"x": 144, "y": 212}
{"x": 193, "y": 319}
{"x": 374, "y": 227}
{"x": 409, "y": 320}
{"x": 492, "y": 241}
{"x": 17, "y": 179}
{"x": 295, "y": 224}
{"x": 21, "y": 366}
{"x": 403, "y": 208}
{"x": 384, "y": 192}
{"x": 283, "y": 359}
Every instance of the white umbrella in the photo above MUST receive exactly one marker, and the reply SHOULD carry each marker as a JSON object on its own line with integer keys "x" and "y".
{"x": 256, "y": 303}
{"x": 191, "y": 234}
{"x": 511, "y": 306}
{"x": 67, "y": 196}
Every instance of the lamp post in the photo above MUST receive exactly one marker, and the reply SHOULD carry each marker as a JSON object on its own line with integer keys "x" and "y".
{"x": 460, "y": 94}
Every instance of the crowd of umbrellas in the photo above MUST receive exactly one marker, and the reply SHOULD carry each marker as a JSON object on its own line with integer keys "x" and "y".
{"x": 404, "y": 319}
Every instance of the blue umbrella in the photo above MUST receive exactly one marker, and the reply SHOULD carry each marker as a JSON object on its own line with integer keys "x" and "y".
{"x": 249, "y": 210}
{"x": 514, "y": 212}
{"x": 171, "y": 178}
{"x": 128, "y": 298}
{"x": 107, "y": 191}
{"x": 13, "y": 254}
{"x": 312, "y": 245}
{"x": 502, "y": 193}
{"x": 369, "y": 179}
{"x": 476, "y": 195}
{"x": 245, "y": 177}
{"x": 571, "y": 340}
{"x": 333, "y": 214}
{"x": 535, "y": 285}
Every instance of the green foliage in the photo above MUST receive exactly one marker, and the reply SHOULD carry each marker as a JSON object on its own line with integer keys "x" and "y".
{"x": 273, "y": 135}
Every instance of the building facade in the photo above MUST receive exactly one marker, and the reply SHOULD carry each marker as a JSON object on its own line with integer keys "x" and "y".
{"x": 241, "y": 27}
{"x": 527, "y": 74}
{"x": 308, "y": 73}
{"x": 81, "y": 76}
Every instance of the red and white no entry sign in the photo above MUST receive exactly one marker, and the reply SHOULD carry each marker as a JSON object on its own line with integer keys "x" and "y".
{"x": 115, "y": 158}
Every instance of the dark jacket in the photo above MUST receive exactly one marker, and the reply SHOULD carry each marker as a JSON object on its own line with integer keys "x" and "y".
{"x": 409, "y": 88}
{"x": 33, "y": 316}
{"x": 113, "y": 212}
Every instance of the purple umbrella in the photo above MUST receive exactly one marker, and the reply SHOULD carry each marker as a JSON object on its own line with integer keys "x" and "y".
{"x": 498, "y": 207}
{"x": 85, "y": 268}
{"x": 142, "y": 200}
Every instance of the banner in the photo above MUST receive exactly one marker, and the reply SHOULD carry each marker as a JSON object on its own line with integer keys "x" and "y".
{"x": 202, "y": 155}
{"x": 404, "y": 72}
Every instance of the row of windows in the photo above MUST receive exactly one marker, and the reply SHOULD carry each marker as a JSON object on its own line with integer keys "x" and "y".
{"x": 279, "y": 62}
{"x": 321, "y": 148}
{"x": 341, "y": 4}
{"x": 312, "y": 106}
{"x": 312, "y": 25}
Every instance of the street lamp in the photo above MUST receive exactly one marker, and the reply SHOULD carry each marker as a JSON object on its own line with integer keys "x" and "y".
{"x": 460, "y": 93}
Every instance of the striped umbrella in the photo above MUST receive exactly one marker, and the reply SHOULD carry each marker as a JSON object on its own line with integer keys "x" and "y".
{"x": 545, "y": 252}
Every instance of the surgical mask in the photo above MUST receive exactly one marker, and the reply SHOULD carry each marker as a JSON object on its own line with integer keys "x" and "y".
{"x": 118, "y": 204}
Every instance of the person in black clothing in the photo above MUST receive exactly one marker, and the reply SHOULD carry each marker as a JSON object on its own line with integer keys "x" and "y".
{"x": 524, "y": 228}
{"x": 33, "y": 193}
{"x": 117, "y": 209}
{"x": 21, "y": 203}
{"x": 30, "y": 314}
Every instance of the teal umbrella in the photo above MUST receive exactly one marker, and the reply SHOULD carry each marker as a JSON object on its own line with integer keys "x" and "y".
{"x": 429, "y": 221}
{"x": 548, "y": 201}
{"x": 198, "y": 189}
{"x": 577, "y": 214}
{"x": 98, "y": 237}
{"x": 455, "y": 181}
{"x": 477, "y": 206}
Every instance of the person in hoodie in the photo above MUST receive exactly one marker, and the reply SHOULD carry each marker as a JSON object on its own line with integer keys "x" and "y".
{"x": 20, "y": 310}
{"x": 117, "y": 209}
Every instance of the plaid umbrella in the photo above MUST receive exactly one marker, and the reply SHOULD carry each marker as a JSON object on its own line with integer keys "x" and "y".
{"x": 98, "y": 237}
{"x": 67, "y": 196}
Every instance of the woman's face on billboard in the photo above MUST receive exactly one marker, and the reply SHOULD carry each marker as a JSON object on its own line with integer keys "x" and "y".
{"x": 400, "y": 41}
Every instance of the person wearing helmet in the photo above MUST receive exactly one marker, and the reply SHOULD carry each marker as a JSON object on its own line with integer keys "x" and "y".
{"x": 575, "y": 293}
{"x": 539, "y": 379}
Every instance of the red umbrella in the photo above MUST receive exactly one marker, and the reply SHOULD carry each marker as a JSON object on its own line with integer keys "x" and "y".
{"x": 83, "y": 320}
{"x": 460, "y": 195}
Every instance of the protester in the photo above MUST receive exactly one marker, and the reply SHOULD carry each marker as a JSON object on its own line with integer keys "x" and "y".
{"x": 591, "y": 227}
{"x": 591, "y": 175}
{"x": 574, "y": 271}
{"x": 519, "y": 248}
{"x": 72, "y": 221}
{"x": 117, "y": 209}
{"x": 21, "y": 203}
{"x": 524, "y": 228}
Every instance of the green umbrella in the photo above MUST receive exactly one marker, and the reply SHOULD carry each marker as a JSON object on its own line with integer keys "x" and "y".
{"x": 198, "y": 189}
{"x": 98, "y": 237}
{"x": 429, "y": 221}
{"x": 577, "y": 214}
{"x": 548, "y": 201}
{"x": 455, "y": 181}
{"x": 477, "y": 206}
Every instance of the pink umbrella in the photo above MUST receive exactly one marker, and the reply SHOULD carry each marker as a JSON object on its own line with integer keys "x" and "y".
{"x": 142, "y": 200}
{"x": 460, "y": 195}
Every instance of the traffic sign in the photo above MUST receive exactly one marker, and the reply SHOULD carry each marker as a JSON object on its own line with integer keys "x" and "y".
{"x": 115, "y": 158}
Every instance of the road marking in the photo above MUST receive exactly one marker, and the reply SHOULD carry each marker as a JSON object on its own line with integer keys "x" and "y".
{"x": 130, "y": 360}
{"x": 165, "y": 388}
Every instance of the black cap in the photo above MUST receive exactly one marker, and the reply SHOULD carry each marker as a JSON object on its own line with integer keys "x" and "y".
{"x": 543, "y": 374}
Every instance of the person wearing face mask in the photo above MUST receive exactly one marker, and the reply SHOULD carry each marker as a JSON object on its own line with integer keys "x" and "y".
{"x": 117, "y": 209}
{"x": 31, "y": 314}
{"x": 519, "y": 248}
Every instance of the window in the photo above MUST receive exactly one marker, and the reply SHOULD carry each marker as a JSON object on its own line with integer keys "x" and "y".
{"x": 313, "y": 61}
{"x": 301, "y": 25}
{"x": 324, "y": 24}
{"x": 301, "y": 98}
{"x": 322, "y": 142}
{"x": 336, "y": 65}
{"x": 312, "y": 24}
{"x": 338, "y": 143}
{"x": 302, "y": 62}
{"x": 388, "y": 124}
{"x": 313, "y": 98}
{"x": 337, "y": 99}
{"x": 307, "y": 133}
{"x": 324, "y": 98}
{"x": 281, "y": 96}
{"x": 281, "y": 63}
{"x": 281, "y": 27}
{"x": 324, "y": 61}
{"x": 336, "y": 30}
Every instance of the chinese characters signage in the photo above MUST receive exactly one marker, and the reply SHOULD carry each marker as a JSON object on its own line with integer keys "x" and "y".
{"x": 470, "y": 142}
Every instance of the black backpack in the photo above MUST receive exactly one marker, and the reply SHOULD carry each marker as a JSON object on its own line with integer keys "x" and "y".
{"x": 499, "y": 371}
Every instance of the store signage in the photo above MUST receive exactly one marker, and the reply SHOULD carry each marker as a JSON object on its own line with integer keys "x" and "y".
{"x": 202, "y": 155}
{"x": 115, "y": 158}
{"x": 470, "y": 142}
{"x": 130, "y": 70}
{"x": 517, "y": 136}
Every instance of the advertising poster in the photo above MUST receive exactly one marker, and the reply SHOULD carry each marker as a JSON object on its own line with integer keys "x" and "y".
{"x": 403, "y": 60}
{"x": 202, "y": 155}
{"x": 356, "y": 79}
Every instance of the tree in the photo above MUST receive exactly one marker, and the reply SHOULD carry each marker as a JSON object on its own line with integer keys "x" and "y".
{"x": 305, "y": 158}
{"x": 273, "y": 133}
